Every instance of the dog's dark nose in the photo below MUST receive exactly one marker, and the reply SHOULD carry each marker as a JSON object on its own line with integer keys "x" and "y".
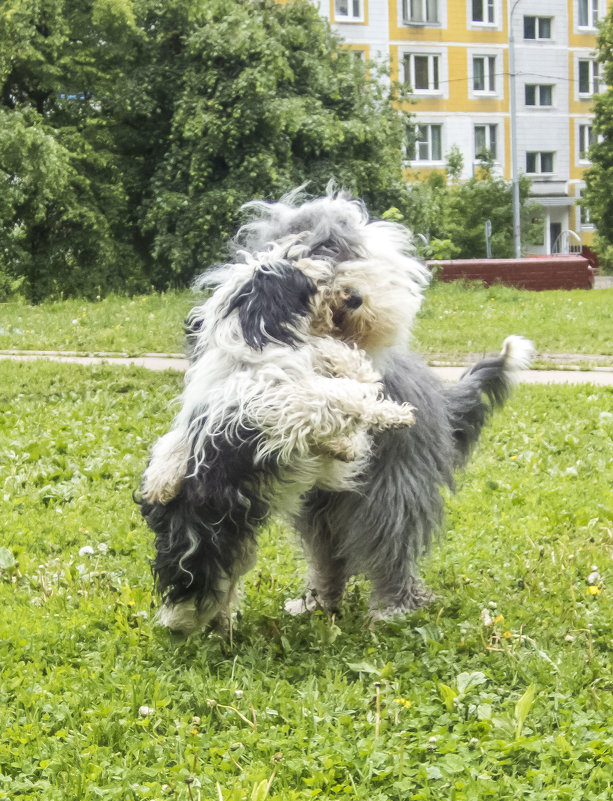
{"x": 354, "y": 301}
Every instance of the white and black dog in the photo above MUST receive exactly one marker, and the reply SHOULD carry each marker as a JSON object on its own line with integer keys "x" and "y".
{"x": 302, "y": 399}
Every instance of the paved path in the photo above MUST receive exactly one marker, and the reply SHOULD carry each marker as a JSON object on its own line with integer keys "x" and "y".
{"x": 602, "y": 376}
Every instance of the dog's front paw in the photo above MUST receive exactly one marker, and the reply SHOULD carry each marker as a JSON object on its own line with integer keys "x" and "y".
{"x": 388, "y": 414}
{"x": 162, "y": 493}
{"x": 345, "y": 449}
{"x": 166, "y": 469}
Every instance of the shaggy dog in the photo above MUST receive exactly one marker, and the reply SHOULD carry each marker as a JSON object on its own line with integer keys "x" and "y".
{"x": 285, "y": 411}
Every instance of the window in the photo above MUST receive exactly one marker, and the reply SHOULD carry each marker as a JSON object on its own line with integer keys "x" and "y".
{"x": 539, "y": 94}
{"x": 537, "y": 27}
{"x": 348, "y": 10}
{"x": 539, "y": 163}
{"x": 588, "y": 13}
{"x": 425, "y": 143}
{"x": 584, "y": 213}
{"x": 484, "y": 73}
{"x": 420, "y": 11}
{"x": 586, "y": 140}
{"x": 486, "y": 141}
{"x": 483, "y": 11}
{"x": 589, "y": 82}
{"x": 421, "y": 72}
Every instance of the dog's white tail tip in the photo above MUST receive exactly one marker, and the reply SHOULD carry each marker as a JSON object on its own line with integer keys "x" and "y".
{"x": 518, "y": 353}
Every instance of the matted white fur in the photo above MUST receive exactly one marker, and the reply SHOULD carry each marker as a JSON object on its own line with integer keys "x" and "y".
{"x": 518, "y": 353}
{"x": 306, "y": 408}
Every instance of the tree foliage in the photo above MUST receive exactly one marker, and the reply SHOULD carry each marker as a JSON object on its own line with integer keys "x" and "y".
{"x": 267, "y": 100}
{"x": 63, "y": 204}
{"x": 452, "y": 216}
{"x": 598, "y": 196}
{"x": 131, "y": 131}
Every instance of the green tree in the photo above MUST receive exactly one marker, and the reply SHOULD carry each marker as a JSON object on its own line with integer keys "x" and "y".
{"x": 452, "y": 216}
{"x": 471, "y": 203}
{"x": 265, "y": 100}
{"x": 131, "y": 131}
{"x": 63, "y": 205}
{"x": 598, "y": 196}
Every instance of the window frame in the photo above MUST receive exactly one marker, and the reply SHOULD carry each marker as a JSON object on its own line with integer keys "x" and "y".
{"x": 538, "y": 161}
{"x": 432, "y": 59}
{"x": 424, "y": 22}
{"x": 488, "y": 127}
{"x": 592, "y": 13}
{"x": 583, "y": 154}
{"x": 593, "y": 78}
{"x": 486, "y": 7}
{"x": 489, "y": 74}
{"x": 538, "y": 87}
{"x": 413, "y": 154}
{"x": 537, "y": 28}
{"x": 338, "y": 17}
{"x": 584, "y": 222}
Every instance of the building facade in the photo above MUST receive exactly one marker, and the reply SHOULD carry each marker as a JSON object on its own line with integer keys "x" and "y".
{"x": 454, "y": 54}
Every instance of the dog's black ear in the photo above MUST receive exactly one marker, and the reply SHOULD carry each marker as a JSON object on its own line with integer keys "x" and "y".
{"x": 271, "y": 303}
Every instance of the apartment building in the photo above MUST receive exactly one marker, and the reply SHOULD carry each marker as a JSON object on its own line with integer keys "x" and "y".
{"x": 454, "y": 54}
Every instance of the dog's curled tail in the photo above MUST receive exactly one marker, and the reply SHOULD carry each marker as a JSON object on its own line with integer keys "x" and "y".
{"x": 482, "y": 388}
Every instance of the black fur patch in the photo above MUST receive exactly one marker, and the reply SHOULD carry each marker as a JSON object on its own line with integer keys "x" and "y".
{"x": 271, "y": 303}
{"x": 200, "y": 533}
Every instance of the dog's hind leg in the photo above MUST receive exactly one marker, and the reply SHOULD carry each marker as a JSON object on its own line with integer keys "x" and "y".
{"x": 325, "y": 580}
{"x": 397, "y": 590}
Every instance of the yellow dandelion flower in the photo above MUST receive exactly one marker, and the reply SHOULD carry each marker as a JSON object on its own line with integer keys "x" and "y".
{"x": 594, "y": 590}
{"x": 499, "y": 619}
{"x": 507, "y": 635}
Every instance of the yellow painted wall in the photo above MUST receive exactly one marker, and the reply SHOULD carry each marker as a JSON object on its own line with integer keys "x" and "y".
{"x": 456, "y": 30}
{"x": 458, "y": 100}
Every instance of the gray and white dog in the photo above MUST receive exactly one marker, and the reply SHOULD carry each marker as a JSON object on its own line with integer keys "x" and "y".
{"x": 302, "y": 399}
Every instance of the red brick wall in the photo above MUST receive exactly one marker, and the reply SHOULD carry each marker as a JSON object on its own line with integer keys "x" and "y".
{"x": 537, "y": 272}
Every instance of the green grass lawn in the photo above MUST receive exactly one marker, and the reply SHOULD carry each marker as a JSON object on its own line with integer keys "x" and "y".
{"x": 466, "y": 318}
{"x": 115, "y": 324}
{"x": 502, "y": 689}
{"x": 455, "y": 320}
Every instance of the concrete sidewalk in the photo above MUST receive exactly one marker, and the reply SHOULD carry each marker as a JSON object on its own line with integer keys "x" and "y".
{"x": 159, "y": 361}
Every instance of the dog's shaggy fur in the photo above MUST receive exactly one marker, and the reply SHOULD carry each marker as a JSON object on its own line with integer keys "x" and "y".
{"x": 283, "y": 411}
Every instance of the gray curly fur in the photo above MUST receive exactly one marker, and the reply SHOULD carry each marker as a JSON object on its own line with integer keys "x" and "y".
{"x": 384, "y": 529}
{"x": 326, "y": 229}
